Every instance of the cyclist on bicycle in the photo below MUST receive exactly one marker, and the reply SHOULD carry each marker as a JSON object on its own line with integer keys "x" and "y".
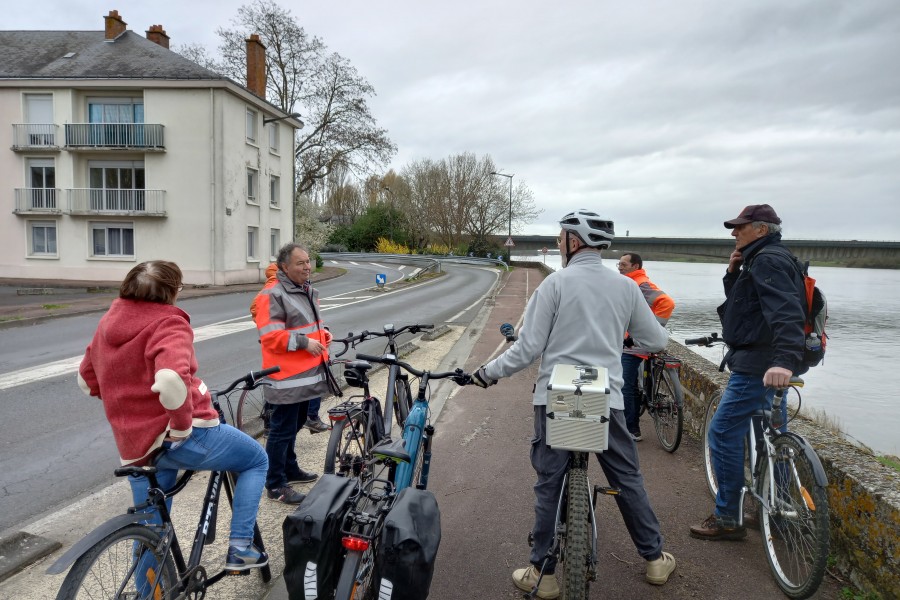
{"x": 141, "y": 364}
{"x": 631, "y": 265}
{"x": 579, "y": 315}
{"x": 762, "y": 323}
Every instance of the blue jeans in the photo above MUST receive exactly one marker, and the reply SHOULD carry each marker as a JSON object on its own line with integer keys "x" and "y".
{"x": 313, "y": 411}
{"x": 220, "y": 448}
{"x": 286, "y": 421}
{"x": 744, "y": 395}
{"x": 631, "y": 364}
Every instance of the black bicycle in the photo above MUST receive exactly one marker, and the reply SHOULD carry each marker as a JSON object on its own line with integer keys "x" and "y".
{"x": 786, "y": 485}
{"x": 661, "y": 396}
{"x": 128, "y": 558}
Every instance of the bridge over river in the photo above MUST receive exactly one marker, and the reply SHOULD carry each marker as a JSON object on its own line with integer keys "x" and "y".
{"x": 851, "y": 252}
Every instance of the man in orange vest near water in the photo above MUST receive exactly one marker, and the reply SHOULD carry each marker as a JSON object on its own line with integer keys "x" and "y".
{"x": 631, "y": 265}
{"x": 293, "y": 337}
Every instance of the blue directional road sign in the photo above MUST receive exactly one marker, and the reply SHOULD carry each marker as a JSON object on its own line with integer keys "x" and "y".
{"x": 380, "y": 279}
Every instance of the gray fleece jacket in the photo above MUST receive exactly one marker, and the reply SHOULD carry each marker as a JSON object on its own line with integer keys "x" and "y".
{"x": 579, "y": 316}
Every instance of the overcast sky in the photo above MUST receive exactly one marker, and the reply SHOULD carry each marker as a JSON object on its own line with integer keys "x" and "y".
{"x": 667, "y": 116}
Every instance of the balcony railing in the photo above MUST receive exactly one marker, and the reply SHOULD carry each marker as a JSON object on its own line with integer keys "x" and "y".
{"x": 146, "y": 136}
{"x": 37, "y": 200}
{"x": 93, "y": 201}
{"x": 35, "y": 136}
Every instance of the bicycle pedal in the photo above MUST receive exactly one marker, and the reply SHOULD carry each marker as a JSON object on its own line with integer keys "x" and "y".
{"x": 234, "y": 573}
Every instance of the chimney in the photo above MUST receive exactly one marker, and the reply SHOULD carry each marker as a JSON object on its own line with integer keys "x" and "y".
{"x": 256, "y": 66}
{"x": 115, "y": 26}
{"x": 157, "y": 35}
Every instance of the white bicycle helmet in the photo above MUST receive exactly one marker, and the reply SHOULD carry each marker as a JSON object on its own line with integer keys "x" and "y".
{"x": 593, "y": 230}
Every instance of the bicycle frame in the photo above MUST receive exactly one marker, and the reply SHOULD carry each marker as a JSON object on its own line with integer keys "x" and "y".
{"x": 415, "y": 430}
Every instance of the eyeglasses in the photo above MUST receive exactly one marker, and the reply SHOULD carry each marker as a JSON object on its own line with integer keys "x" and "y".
{"x": 558, "y": 241}
{"x": 180, "y": 287}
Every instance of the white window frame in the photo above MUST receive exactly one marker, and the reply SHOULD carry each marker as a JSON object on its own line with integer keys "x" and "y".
{"x": 252, "y": 244}
{"x": 274, "y": 138}
{"x": 31, "y": 225}
{"x": 274, "y": 243}
{"x": 107, "y": 226}
{"x": 252, "y": 127}
{"x": 274, "y": 191}
{"x": 252, "y": 186}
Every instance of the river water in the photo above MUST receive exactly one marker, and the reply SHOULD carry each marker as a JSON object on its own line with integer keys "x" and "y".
{"x": 852, "y": 386}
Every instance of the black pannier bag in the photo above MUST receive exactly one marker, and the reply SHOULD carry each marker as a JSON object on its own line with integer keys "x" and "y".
{"x": 312, "y": 539}
{"x": 404, "y": 562}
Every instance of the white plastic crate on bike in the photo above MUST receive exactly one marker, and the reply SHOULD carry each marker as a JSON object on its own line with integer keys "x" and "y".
{"x": 578, "y": 408}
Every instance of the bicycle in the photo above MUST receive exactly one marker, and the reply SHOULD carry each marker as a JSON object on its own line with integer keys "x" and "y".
{"x": 575, "y": 532}
{"x": 406, "y": 464}
{"x": 662, "y": 397}
{"x": 785, "y": 479}
{"x": 129, "y": 558}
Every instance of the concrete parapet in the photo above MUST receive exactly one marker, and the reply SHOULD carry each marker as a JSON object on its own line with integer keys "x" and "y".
{"x": 863, "y": 494}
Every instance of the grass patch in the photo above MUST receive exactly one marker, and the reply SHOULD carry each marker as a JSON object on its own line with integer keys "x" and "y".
{"x": 892, "y": 462}
{"x": 850, "y": 594}
{"x": 54, "y": 306}
{"x": 5, "y": 319}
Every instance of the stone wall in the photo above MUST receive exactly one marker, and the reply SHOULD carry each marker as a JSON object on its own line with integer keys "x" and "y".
{"x": 863, "y": 494}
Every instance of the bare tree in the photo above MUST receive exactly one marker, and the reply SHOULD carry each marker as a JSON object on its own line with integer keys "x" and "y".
{"x": 303, "y": 77}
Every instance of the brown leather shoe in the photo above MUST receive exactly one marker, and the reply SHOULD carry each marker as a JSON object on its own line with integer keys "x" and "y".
{"x": 714, "y": 529}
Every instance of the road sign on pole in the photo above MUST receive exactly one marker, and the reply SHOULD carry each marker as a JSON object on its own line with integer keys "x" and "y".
{"x": 509, "y": 243}
{"x": 380, "y": 279}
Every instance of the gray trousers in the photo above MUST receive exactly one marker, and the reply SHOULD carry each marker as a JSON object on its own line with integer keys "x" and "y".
{"x": 622, "y": 470}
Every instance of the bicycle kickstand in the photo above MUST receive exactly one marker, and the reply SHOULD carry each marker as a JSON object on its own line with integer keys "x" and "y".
{"x": 533, "y": 594}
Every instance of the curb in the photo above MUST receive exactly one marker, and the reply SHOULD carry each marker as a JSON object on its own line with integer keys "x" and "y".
{"x": 20, "y": 550}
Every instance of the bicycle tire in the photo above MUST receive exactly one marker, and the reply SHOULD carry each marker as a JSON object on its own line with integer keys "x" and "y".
{"x": 348, "y": 444}
{"x": 575, "y": 554}
{"x": 708, "y": 469}
{"x": 252, "y": 415}
{"x": 107, "y": 565}
{"x": 667, "y": 408}
{"x": 795, "y": 528}
{"x": 402, "y": 401}
{"x": 357, "y": 580}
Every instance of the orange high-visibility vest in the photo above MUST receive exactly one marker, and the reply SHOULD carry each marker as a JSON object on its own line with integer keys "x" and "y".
{"x": 660, "y": 302}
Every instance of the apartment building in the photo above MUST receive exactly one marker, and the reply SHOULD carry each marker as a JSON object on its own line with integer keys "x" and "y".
{"x": 115, "y": 150}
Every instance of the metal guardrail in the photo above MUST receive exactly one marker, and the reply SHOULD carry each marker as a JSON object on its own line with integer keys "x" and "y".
{"x": 96, "y": 201}
{"x": 35, "y": 136}
{"x": 115, "y": 135}
{"x": 37, "y": 200}
{"x": 429, "y": 262}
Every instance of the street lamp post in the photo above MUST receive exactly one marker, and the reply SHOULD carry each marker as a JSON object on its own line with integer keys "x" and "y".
{"x": 509, "y": 236}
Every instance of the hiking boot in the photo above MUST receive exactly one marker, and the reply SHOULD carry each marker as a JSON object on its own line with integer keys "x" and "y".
{"x": 525, "y": 579}
{"x": 636, "y": 436}
{"x": 658, "y": 570}
{"x": 286, "y": 494}
{"x": 241, "y": 560}
{"x": 301, "y": 477}
{"x": 315, "y": 425}
{"x": 715, "y": 528}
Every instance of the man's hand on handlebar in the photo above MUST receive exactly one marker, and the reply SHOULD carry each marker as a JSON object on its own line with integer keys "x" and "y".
{"x": 481, "y": 379}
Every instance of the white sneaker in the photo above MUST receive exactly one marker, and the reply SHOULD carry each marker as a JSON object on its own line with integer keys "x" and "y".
{"x": 525, "y": 579}
{"x": 658, "y": 570}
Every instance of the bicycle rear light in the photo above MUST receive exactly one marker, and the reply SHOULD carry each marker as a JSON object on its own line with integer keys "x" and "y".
{"x": 351, "y": 542}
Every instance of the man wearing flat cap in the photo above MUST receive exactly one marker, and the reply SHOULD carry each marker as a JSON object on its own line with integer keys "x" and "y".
{"x": 762, "y": 323}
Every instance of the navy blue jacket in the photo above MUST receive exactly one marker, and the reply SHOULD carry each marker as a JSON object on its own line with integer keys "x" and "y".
{"x": 763, "y": 314}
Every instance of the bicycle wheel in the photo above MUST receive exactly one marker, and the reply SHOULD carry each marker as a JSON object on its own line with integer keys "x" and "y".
{"x": 349, "y": 443}
{"x": 125, "y": 564}
{"x": 667, "y": 403}
{"x": 402, "y": 401}
{"x": 707, "y": 455}
{"x": 357, "y": 577}
{"x": 795, "y": 527}
{"x": 575, "y": 551}
{"x": 252, "y": 415}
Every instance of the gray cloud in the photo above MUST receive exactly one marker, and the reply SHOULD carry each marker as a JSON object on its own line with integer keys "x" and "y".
{"x": 668, "y": 116}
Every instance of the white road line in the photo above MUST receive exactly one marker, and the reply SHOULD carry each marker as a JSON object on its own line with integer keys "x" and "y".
{"x": 67, "y": 366}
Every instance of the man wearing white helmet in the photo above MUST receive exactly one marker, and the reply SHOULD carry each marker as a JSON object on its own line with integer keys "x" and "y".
{"x": 579, "y": 316}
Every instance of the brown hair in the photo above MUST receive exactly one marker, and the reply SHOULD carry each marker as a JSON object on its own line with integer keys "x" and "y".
{"x": 152, "y": 281}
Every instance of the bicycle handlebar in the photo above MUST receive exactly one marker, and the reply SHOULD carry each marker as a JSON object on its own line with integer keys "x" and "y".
{"x": 251, "y": 380}
{"x": 708, "y": 340}
{"x": 458, "y": 375}
{"x": 389, "y": 332}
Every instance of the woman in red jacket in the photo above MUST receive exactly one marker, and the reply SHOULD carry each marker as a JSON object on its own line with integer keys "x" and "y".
{"x": 141, "y": 364}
